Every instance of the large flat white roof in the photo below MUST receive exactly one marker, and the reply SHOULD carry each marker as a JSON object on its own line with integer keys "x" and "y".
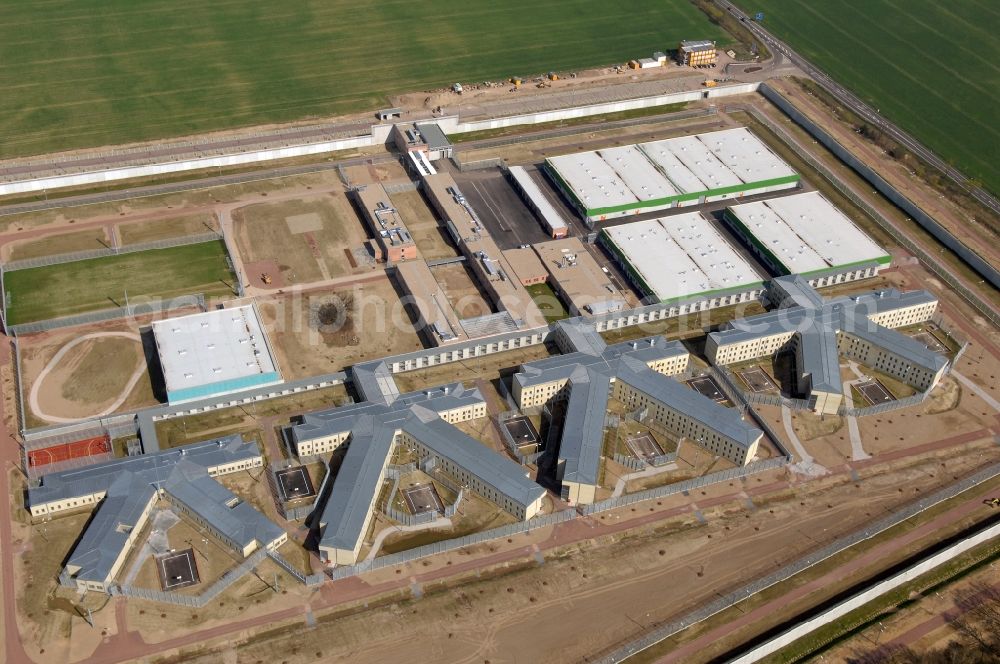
{"x": 209, "y": 348}
{"x": 641, "y": 176}
{"x": 702, "y": 162}
{"x": 683, "y": 168}
{"x": 746, "y": 155}
{"x": 806, "y": 232}
{"x": 592, "y": 180}
{"x": 682, "y": 255}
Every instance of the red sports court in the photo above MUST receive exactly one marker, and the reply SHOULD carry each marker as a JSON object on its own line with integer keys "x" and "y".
{"x": 66, "y": 451}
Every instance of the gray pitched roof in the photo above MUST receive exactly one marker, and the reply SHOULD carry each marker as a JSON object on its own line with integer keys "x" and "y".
{"x": 131, "y": 483}
{"x": 557, "y": 367}
{"x": 372, "y": 428}
{"x": 583, "y": 428}
{"x": 236, "y": 520}
{"x": 358, "y": 479}
{"x": 106, "y": 536}
{"x": 817, "y": 323}
{"x": 726, "y": 421}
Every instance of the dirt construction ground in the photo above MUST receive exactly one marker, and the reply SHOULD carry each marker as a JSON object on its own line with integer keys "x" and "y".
{"x": 431, "y": 237}
{"x": 596, "y": 592}
{"x": 461, "y": 290}
{"x": 308, "y": 240}
{"x": 374, "y": 325}
{"x": 78, "y": 372}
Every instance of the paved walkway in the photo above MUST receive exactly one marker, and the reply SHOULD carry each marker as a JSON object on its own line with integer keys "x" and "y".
{"x": 980, "y": 392}
{"x": 440, "y": 522}
{"x": 857, "y": 451}
{"x": 807, "y": 464}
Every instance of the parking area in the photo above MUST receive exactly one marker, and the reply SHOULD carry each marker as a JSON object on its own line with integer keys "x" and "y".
{"x": 505, "y": 215}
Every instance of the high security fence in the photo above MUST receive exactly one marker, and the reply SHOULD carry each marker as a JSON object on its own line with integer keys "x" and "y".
{"x": 402, "y": 557}
{"x": 143, "y": 308}
{"x": 57, "y": 259}
{"x": 309, "y": 580}
{"x": 926, "y": 259}
{"x": 195, "y": 601}
{"x": 730, "y": 599}
{"x": 630, "y": 462}
{"x": 686, "y": 485}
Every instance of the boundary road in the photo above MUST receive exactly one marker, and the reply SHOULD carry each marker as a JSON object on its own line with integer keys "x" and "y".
{"x": 853, "y": 102}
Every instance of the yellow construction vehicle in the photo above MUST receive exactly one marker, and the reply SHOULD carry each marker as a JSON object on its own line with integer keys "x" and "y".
{"x": 266, "y": 278}
{"x": 710, "y": 84}
{"x": 553, "y": 76}
{"x": 516, "y": 81}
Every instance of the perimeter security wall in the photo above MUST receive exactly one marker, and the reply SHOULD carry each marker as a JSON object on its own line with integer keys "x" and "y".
{"x": 377, "y": 136}
{"x": 927, "y": 222}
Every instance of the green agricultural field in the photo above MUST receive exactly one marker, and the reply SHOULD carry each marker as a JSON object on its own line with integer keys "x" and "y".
{"x": 78, "y": 73}
{"x": 931, "y": 67}
{"x": 67, "y": 289}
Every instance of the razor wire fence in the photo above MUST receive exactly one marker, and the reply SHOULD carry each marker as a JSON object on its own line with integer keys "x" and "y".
{"x": 723, "y": 602}
{"x": 410, "y": 555}
{"x": 687, "y": 485}
{"x": 143, "y": 308}
{"x": 72, "y": 257}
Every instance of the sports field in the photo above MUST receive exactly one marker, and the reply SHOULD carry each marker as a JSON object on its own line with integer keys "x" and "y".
{"x": 67, "y": 289}
{"x": 79, "y": 73}
{"x": 931, "y": 67}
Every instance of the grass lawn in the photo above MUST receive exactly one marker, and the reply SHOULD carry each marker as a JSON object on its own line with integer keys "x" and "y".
{"x": 68, "y": 289}
{"x": 548, "y": 302}
{"x": 94, "y": 72}
{"x": 931, "y": 67}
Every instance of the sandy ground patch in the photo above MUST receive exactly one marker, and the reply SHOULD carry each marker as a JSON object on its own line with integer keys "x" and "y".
{"x": 308, "y": 239}
{"x": 460, "y": 288}
{"x": 376, "y": 326}
{"x": 90, "y": 376}
{"x": 372, "y": 173}
{"x": 431, "y": 237}
{"x": 162, "y": 229}
{"x": 57, "y": 243}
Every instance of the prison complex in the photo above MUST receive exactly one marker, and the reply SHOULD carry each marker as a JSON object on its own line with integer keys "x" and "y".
{"x": 125, "y": 491}
{"x": 421, "y": 422}
{"x": 635, "y": 374}
{"x": 818, "y": 331}
{"x": 688, "y": 170}
{"x": 214, "y": 353}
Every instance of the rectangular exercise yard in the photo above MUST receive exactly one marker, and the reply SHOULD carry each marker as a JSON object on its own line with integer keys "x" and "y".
{"x": 68, "y": 289}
